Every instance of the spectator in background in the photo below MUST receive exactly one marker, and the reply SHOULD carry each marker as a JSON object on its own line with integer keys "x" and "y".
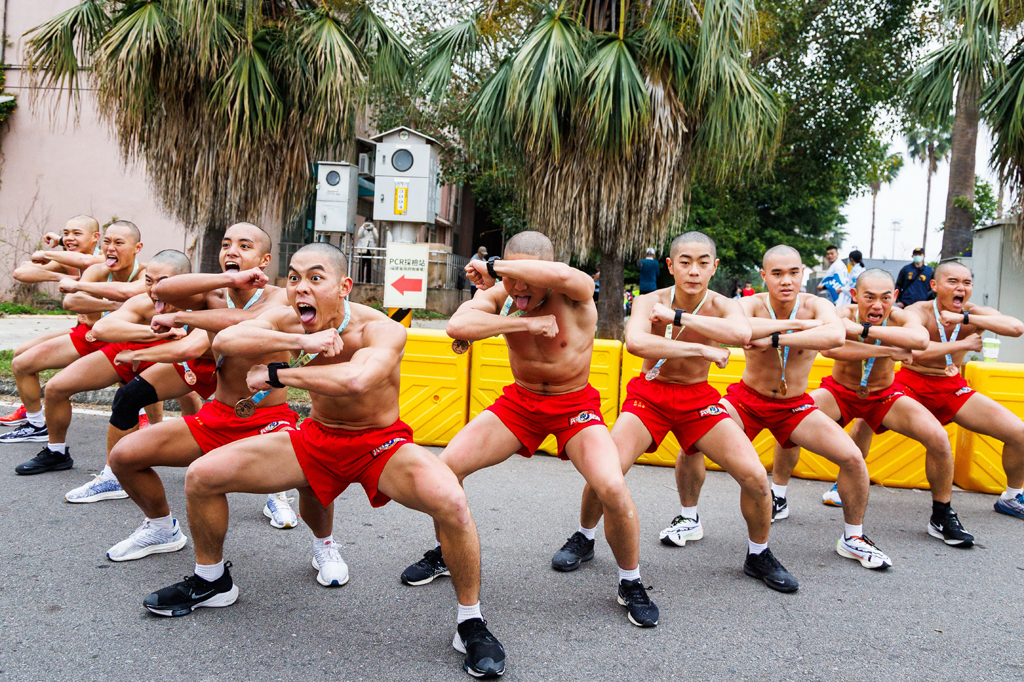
{"x": 914, "y": 282}
{"x": 836, "y": 282}
{"x": 739, "y": 293}
{"x": 366, "y": 239}
{"x": 481, "y": 254}
{"x": 597, "y": 283}
{"x": 649, "y": 269}
{"x": 856, "y": 267}
{"x": 748, "y": 289}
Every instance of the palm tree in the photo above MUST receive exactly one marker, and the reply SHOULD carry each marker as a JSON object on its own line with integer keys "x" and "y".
{"x": 610, "y": 109}
{"x": 930, "y": 145}
{"x": 227, "y": 103}
{"x": 884, "y": 169}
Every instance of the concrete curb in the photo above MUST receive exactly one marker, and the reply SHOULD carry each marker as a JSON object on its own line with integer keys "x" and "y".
{"x": 105, "y": 396}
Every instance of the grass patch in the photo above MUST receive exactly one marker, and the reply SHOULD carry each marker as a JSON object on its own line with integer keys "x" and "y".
{"x": 298, "y": 395}
{"x": 6, "y": 356}
{"x": 7, "y": 308}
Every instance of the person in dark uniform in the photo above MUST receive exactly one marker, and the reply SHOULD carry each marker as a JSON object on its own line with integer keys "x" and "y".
{"x": 914, "y": 281}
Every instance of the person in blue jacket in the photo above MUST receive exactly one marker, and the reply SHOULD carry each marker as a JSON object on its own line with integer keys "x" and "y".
{"x": 649, "y": 269}
{"x": 914, "y": 281}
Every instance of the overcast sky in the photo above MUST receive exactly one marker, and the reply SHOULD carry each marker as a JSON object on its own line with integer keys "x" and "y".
{"x": 904, "y": 201}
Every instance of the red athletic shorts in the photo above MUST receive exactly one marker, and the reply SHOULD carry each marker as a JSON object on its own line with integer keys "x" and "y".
{"x": 216, "y": 425}
{"x": 83, "y": 345}
{"x": 125, "y": 371}
{"x": 205, "y": 370}
{"x": 531, "y": 416}
{"x": 943, "y": 396}
{"x": 871, "y": 409}
{"x": 780, "y": 416}
{"x": 331, "y": 459}
{"x": 687, "y": 410}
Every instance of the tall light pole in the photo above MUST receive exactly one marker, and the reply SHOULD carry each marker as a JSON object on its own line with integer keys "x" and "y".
{"x": 897, "y": 225}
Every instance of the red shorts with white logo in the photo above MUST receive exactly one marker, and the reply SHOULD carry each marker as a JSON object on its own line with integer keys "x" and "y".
{"x": 83, "y": 345}
{"x": 687, "y": 410}
{"x": 531, "y": 416}
{"x": 217, "y": 425}
{"x": 205, "y": 370}
{"x": 125, "y": 371}
{"x": 331, "y": 459}
{"x": 943, "y": 396}
{"x": 779, "y": 416}
{"x": 871, "y": 409}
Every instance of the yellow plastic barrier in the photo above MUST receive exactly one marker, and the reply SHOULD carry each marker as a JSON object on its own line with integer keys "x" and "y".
{"x": 979, "y": 459}
{"x": 435, "y": 387}
{"x": 490, "y": 373}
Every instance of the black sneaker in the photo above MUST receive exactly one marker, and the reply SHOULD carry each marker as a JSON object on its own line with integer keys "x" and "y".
{"x": 576, "y": 550}
{"x": 46, "y": 460}
{"x": 780, "y": 509}
{"x": 426, "y": 569}
{"x": 485, "y": 657}
{"x": 766, "y": 567}
{"x": 27, "y": 433}
{"x": 641, "y": 611}
{"x": 192, "y": 593}
{"x": 951, "y": 531}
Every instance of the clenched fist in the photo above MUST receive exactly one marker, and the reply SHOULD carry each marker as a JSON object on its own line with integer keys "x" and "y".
{"x": 719, "y": 356}
{"x": 327, "y": 342}
{"x": 257, "y": 378}
{"x": 545, "y": 326}
{"x": 476, "y": 272}
{"x": 253, "y": 278}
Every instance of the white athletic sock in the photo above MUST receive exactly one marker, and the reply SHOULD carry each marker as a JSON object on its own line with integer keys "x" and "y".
{"x": 56, "y": 447}
{"x": 1011, "y": 493}
{"x": 142, "y": 411}
{"x": 755, "y": 547}
{"x": 469, "y": 612}
{"x": 36, "y": 418}
{"x": 323, "y": 542}
{"x": 210, "y": 573}
{"x": 588, "y": 533}
{"x": 633, "y": 574}
{"x": 780, "y": 490}
{"x": 690, "y": 513}
{"x": 163, "y": 523}
{"x": 108, "y": 474}
{"x": 854, "y": 530}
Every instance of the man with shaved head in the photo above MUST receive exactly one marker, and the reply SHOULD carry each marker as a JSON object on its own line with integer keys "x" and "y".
{"x": 545, "y": 311}
{"x": 862, "y": 386}
{"x": 954, "y": 327}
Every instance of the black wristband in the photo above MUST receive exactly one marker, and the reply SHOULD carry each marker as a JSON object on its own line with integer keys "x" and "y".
{"x": 272, "y": 373}
{"x": 967, "y": 317}
{"x": 775, "y": 339}
{"x": 60, "y": 242}
{"x": 678, "y": 319}
{"x": 490, "y": 267}
{"x": 866, "y": 327}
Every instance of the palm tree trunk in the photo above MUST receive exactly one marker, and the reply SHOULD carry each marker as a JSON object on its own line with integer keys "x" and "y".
{"x": 928, "y": 197}
{"x": 609, "y": 303}
{"x": 958, "y": 233}
{"x": 209, "y": 260}
{"x": 874, "y": 198}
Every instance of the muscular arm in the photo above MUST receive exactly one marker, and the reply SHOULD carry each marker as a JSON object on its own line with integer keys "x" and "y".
{"x": 128, "y": 324}
{"x": 85, "y": 304}
{"x": 640, "y": 341}
{"x": 369, "y": 366}
{"x": 30, "y": 273}
{"x": 182, "y": 286}
{"x": 478, "y": 318}
{"x": 71, "y": 259}
{"x": 564, "y": 279}
{"x": 112, "y": 291}
{"x": 991, "y": 320}
{"x": 938, "y": 350}
{"x": 731, "y": 327}
{"x": 855, "y": 350}
{"x": 907, "y": 332}
{"x": 188, "y": 348}
{"x": 253, "y": 338}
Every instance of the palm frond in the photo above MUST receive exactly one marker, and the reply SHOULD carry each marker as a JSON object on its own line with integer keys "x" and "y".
{"x": 617, "y": 109}
{"x": 389, "y": 57}
{"x": 248, "y": 96}
{"x": 442, "y": 49}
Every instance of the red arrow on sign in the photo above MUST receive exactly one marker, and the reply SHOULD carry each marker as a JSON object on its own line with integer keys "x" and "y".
{"x": 404, "y": 286}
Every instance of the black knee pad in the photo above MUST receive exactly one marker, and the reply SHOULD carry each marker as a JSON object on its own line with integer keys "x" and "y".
{"x": 129, "y": 399}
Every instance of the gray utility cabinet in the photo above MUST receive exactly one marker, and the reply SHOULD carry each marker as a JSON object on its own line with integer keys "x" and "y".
{"x": 999, "y": 280}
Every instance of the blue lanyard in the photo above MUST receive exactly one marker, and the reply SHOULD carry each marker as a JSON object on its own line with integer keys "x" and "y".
{"x": 255, "y": 297}
{"x": 110, "y": 278}
{"x": 653, "y": 372}
{"x": 866, "y": 365}
{"x": 942, "y": 331}
{"x": 783, "y": 353}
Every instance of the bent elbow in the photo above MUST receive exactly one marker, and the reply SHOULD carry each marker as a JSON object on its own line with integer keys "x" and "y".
{"x": 222, "y": 343}
{"x": 837, "y": 340}
{"x": 633, "y": 345}
{"x": 1017, "y": 330}
{"x": 921, "y": 342}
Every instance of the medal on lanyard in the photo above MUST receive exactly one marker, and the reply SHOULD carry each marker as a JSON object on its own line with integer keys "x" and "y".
{"x": 783, "y": 353}
{"x": 951, "y": 369}
{"x": 460, "y": 346}
{"x": 246, "y": 407}
{"x": 190, "y": 376}
{"x": 653, "y": 372}
{"x": 867, "y": 365}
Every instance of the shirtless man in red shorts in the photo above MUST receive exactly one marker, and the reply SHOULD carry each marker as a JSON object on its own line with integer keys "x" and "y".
{"x": 125, "y": 329}
{"x": 550, "y": 337}
{"x": 934, "y": 378}
{"x": 862, "y": 385}
{"x": 354, "y": 435}
{"x": 104, "y": 285}
{"x": 773, "y": 395}
{"x": 677, "y": 330}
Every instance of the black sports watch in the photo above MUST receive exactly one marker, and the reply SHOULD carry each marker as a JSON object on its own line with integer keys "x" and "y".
{"x": 272, "y": 373}
{"x": 490, "y": 267}
{"x": 678, "y": 319}
{"x": 866, "y": 327}
{"x": 967, "y": 317}
{"x": 775, "y": 339}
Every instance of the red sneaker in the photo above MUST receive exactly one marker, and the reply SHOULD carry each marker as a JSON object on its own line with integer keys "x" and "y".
{"x": 143, "y": 420}
{"x": 16, "y": 418}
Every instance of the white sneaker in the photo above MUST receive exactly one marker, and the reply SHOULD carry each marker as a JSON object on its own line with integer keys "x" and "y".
{"x": 681, "y": 530}
{"x": 332, "y": 569}
{"x": 146, "y": 540}
{"x": 831, "y": 497}
{"x": 279, "y": 511}
{"x": 96, "y": 490}
{"x": 860, "y": 548}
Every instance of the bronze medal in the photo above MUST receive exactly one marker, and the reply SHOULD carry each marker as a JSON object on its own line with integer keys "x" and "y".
{"x": 951, "y": 370}
{"x": 460, "y": 346}
{"x": 862, "y": 392}
{"x": 652, "y": 374}
{"x": 90, "y": 337}
{"x": 190, "y": 377}
{"x": 782, "y": 387}
{"x": 245, "y": 408}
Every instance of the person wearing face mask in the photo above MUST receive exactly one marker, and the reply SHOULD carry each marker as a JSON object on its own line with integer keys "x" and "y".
{"x": 914, "y": 281}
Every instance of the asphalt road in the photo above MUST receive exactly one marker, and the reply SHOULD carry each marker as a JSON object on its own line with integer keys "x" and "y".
{"x": 939, "y": 614}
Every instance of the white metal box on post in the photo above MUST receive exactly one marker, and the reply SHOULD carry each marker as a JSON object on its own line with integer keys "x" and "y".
{"x": 337, "y": 191}
{"x": 406, "y": 182}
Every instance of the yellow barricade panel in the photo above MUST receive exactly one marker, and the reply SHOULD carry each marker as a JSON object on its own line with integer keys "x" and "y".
{"x": 435, "y": 387}
{"x": 979, "y": 459}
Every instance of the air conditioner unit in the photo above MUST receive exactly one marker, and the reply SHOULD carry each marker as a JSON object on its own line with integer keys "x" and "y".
{"x": 365, "y": 164}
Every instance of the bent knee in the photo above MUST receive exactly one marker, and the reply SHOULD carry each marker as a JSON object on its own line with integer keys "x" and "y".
{"x": 753, "y": 481}
{"x": 202, "y": 479}
{"x": 449, "y": 505}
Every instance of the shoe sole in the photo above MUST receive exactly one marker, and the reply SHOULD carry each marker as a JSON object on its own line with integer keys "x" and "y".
{"x": 843, "y": 552}
{"x": 270, "y": 515}
{"x": 784, "y": 514}
{"x": 217, "y": 601}
{"x": 152, "y": 549}
{"x": 681, "y": 542}
{"x": 963, "y": 544}
{"x": 645, "y": 624}
{"x": 333, "y": 583}
{"x": 459, "y": 646}
{"x": 1015, "y": 515}
{"x": 778, "y": 588}
{"x": 111, "y": 495}
{"x": 42, "y": 438}
{"x": 17, "y": 422}
{"x": 426, "y": 580}
{"x": 56, "y": 467}
{"x": 573, "y": 567}
{"x": 830, "y": 503}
